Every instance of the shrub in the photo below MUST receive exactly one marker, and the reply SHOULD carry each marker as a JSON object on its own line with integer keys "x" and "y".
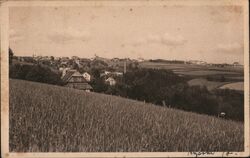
{"x": 35, "y": 73}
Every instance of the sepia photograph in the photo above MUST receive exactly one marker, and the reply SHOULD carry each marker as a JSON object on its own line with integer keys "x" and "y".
{"x": 125, "y": 78}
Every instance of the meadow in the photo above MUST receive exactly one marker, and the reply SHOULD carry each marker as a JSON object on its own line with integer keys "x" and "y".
{"x": 211, "y": 85}
{"x": 47, "y": 118}
{"x": 197, "y": 75}
{"x": 190, "y": 68}
{"x": 236, "y": 86}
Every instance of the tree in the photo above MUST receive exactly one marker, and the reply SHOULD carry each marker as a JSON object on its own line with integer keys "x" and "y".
{"x": 95, "y": 73}
{"x": 75, "y": 66}
{"x": 19, "y": 71}
{"x": 222, "y": 78}
{"x": 43, "y": 74}
{"x": 11, "y": 54}
{"x": 35, "y": 73}
{"x": 52, "y": 58}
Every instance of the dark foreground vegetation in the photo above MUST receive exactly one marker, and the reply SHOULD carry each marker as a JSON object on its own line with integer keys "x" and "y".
{"x": 35, "y": 73}
{"x": 48, "y": 118}
{"x": 164, "y": 88}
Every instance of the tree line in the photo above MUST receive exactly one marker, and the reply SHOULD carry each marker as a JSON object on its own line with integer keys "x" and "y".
{"x": 165, "y": 88}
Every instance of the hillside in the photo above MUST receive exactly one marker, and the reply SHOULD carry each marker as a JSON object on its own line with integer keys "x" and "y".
{"x": 47, "y": 118}
{"x": 211, "y": 85}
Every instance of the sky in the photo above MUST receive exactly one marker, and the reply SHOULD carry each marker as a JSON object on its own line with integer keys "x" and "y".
{"x": 210, "y": 33}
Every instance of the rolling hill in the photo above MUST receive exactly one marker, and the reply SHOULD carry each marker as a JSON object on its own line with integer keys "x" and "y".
{"x": 211, "y": 85}
{"x": 47, "y": 118}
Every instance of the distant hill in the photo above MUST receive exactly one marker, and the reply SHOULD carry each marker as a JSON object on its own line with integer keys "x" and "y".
{"x": 47, "y": 118}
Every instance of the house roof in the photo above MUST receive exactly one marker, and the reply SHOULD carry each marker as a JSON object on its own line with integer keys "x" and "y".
{"x": 68, "y": 75}
{"x": 77, "y": 74}
{"x": 110, "y": 79}
{"x": 86, "y": 73}
{"x": 72, "y": 73}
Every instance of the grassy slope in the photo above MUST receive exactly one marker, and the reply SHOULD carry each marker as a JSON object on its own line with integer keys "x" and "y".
{"x": 50, "y": 118}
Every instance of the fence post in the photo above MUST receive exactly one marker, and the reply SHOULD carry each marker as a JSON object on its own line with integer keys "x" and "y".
{"x": 163, "y": 103}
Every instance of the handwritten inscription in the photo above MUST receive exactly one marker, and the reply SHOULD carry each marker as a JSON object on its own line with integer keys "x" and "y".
{"x": 200, "y": 153}
{"x": 205, "y": 153}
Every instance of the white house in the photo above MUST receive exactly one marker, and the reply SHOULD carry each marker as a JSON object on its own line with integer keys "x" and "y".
{"x": 86, "y": 76}
{"x": 107, "y": 72}
{"x": 111, "y": 81}
{"x": 64, "y": 71}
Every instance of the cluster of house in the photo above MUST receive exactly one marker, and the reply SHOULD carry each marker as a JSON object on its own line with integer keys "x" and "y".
{"x": 74, "y": 79}
{"x": 109, "y": 77}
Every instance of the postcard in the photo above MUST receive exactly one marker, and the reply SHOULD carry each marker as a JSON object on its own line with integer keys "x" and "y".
{"x": 134, "y": 78}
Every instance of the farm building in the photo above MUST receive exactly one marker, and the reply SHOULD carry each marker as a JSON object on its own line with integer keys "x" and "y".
{"x": 63, "y": 70}
{"x": 74, "y": 79}
{"x": 86, "y": 76}
{"x": 111, "y": 81}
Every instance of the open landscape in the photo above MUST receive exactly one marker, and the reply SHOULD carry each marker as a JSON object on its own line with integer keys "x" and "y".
{"x": 210, "y": 76}
{"x": 49, "y": 118}
{"x": 134, "y": 76}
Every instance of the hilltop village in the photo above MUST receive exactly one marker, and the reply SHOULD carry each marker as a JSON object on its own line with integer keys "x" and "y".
{"x": 187, "y": 85}
{"x": 78, "y": 72}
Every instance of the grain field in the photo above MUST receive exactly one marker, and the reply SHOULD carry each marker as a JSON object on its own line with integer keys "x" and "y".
{"x": 47, "y": 118}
